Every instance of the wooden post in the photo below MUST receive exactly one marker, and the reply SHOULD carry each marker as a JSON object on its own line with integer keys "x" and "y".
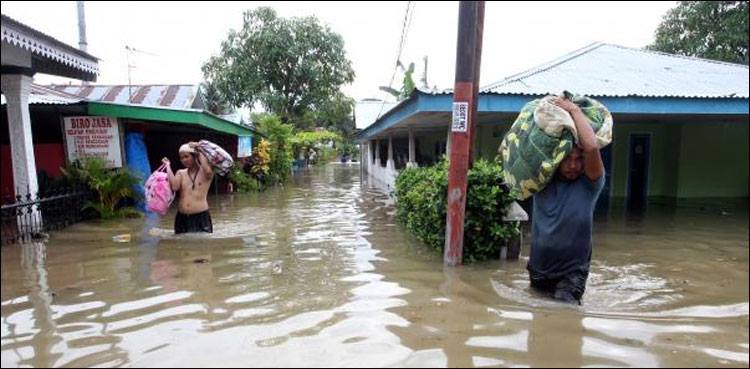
{"x": 468, "y": 59}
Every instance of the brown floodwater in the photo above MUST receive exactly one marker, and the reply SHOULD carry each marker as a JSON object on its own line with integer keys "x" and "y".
{"x": 320, "y": 274}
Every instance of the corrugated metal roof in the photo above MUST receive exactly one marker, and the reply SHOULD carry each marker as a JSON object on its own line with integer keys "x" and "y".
{"x": 43, "y": 95}
{"x": 168, "y": 96}
{"x": 610, "y": 70}
{"x": 367, "y": 111}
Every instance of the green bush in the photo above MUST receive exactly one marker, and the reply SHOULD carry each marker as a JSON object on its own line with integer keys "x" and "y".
{"x": 280, "y": 137}
{"x": 348, "y": 148}
{"x": 110, "y": 186}
{"x": 421, "y": 206}
{"x": 243, "y": 182}
{"x": 325, "y": 156}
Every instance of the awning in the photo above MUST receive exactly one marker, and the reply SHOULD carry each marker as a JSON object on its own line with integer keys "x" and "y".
{"x": 49, "y": 55}
{"x": 175, "y": 116}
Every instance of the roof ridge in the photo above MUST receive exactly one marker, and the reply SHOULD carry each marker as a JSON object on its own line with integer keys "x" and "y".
{"x": 591, "y": 47}
{"x": 694, "y": 58}
{"x": 545, "y": 66}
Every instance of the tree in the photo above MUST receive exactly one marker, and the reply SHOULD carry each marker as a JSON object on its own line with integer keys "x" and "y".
{"x": 708, "y": 29}
{"x": 336, "y": 114}
{"x": 288, "y": 65}
{"x": 215, "y": 102}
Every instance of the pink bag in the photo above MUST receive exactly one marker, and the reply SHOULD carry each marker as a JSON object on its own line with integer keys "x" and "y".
{"x": 159, "y": 194}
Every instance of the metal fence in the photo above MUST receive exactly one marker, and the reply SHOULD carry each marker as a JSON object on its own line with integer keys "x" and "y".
{"x": 28, "y": 218}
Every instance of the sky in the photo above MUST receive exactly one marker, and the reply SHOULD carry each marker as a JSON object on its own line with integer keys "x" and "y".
{"x": 176, "y": 38}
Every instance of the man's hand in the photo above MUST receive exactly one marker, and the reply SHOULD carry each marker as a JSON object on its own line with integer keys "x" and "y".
{"x": 174, "y": 183}
{"x": 566, "y": 105}
{"x": 592, "y": 159}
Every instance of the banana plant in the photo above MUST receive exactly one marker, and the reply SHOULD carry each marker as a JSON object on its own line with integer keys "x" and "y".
{"x": 407, "y": 86}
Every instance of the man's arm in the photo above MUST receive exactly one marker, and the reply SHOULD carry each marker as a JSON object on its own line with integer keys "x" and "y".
{"x": 592, "y": 158}
{"x": 208, "y": 172}
{"x": 174, "y": 181}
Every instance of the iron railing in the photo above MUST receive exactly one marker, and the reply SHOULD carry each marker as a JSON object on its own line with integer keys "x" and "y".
{"x": 27, "y": 218}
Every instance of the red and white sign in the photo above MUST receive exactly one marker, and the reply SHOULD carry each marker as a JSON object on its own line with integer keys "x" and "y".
{"x": 93, "y": 136}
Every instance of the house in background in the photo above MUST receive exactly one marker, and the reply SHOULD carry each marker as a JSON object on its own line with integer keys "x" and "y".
{"x": 160, "y": 128}
{"x": 680, "y": 123}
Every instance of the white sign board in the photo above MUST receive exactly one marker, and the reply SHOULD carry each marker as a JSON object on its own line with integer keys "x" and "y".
{"x": 93, "y": 136}
{"x": 244, "y": 146}
{"x": 460, "y": 116}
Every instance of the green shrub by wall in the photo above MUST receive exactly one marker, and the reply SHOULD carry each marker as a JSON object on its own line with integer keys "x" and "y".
{"x": 421, "y": 206}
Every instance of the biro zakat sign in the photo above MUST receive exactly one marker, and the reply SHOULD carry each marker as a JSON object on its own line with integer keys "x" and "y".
{"x": 93, "y": 136}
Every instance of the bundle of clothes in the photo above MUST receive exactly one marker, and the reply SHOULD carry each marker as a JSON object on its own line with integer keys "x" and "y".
{"x": 541, "y": 137}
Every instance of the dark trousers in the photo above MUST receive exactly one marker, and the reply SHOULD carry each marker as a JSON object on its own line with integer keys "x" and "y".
{"x": 568, "y": 288}
{"x": 198, "y": 222}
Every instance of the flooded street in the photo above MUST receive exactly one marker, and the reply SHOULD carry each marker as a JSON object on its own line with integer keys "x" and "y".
{"x": 320, "y": 274}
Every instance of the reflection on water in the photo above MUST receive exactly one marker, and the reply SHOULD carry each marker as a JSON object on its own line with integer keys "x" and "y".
{"x": 319, "y": 274}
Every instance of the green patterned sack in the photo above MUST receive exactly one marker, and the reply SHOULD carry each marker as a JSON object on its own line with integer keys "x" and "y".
{"x": 541, "y": 137}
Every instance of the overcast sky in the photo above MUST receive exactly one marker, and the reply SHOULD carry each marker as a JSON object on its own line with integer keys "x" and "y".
{"x": 179, "y": 36}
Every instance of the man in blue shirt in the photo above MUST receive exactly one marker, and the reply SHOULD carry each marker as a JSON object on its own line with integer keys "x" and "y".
{"x": 563, "y": 216}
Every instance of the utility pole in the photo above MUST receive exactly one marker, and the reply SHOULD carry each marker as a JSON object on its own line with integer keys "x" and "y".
{"x": 468, "y": 59}
{"x": 128, "y": 51}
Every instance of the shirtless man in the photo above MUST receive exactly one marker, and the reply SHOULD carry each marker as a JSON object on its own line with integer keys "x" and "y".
{"x": 192, "y": 183}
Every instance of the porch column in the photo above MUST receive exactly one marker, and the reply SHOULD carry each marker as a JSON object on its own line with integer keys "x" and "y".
{"x": 16, "y": 88}
{"x": 412, "y": 161}
{"x": 377, "y": 153}
{"x": 448, "y": 143}
{"x": 389, "y": 163}
{"x": 364, "y": 154}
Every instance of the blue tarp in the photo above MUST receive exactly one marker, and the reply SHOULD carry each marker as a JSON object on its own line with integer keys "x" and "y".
{"x": 137, "y": 159}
